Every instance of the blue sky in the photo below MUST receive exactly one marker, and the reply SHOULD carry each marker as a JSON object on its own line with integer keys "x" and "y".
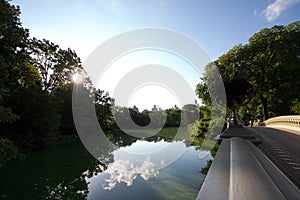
{"x": 217, "y": 26}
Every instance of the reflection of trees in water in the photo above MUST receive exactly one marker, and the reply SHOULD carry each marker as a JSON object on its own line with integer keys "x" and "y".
{"x": 124, "y": 170}
{"x": 76, "y": 188}
{"x": 118, "y": 170}
{"x": 204, "y": 170}
{"x": 121, "y": 139}
{"x": 213, "y": 152}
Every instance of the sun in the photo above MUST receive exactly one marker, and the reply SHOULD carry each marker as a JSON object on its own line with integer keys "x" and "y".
{"x": 75, "y": 77}
{"x": 78, "y": 78}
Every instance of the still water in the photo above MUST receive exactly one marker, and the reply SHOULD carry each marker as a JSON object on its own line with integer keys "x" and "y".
{"x": 67, "y": 171}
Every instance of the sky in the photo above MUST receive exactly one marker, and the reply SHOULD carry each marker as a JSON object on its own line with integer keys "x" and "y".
{"x": 215, "y": 25}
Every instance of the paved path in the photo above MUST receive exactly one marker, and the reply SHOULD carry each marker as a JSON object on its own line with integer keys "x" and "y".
{"x": 283, "y": 148}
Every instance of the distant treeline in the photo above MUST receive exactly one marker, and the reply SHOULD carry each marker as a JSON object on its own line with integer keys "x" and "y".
{"x": 172, "y": 117}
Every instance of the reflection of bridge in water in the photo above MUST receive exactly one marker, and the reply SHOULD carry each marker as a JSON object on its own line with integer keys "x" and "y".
{"x": 257, "y": 162}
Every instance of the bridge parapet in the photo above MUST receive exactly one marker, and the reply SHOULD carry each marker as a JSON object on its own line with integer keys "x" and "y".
{"x": 290, "y": 122}
{"x": 241, "y": 171}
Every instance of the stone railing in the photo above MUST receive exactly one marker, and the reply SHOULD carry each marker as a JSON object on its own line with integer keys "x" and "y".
{"x": 241, "y": 171}
{"x": 290, "y": 122}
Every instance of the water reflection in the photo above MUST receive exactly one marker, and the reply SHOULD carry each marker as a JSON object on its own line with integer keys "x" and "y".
{"x": 126, "y": 171}
{"x": 137, "y": 160}
{"x": 141, "y": 158}
{"x": 68, "y": 171}
{"x": 139, "y": 177}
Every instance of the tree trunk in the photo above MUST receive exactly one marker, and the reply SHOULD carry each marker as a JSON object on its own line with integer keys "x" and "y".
{"x": 265, "y": 108}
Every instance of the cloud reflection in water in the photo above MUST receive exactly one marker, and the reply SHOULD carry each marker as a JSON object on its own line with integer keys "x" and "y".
{"x": 142, "y": 158}
{"x": 125, "y": 171}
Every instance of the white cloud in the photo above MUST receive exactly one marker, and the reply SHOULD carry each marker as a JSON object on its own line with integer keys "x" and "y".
{"x": 273, "y": 10}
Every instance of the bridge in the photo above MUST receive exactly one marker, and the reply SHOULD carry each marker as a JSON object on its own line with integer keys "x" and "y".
{"x": 256, "y": 162}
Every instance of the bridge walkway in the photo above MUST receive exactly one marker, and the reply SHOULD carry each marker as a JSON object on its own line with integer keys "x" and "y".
{"x": 282, "y": 148}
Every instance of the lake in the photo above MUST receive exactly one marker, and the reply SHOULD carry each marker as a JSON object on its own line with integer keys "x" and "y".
{"x": 67, "y": 170}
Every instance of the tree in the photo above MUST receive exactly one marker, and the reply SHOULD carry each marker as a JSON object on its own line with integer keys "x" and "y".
{"x": 173, "y": 117}
{"x": 203, "y": 93}
{"x": 274, "y": 66}
{"x": 19, "y": 80}
{"x": 200, "y": 127}
{"x": 103, "y": 104}
{"x": 296, "y": 107}
{"x": 123, "y": 115}
{"x": 190, "y": 114}
{"x": 13, "y": 40}
{"x": 39, "y": 119}
{"x": 36, "y": 82}
{"x": 261, "y": 74}
{"x": 232, "y": 67}
{"x": 63, "y": 96}
{"x": 56, "y": 66}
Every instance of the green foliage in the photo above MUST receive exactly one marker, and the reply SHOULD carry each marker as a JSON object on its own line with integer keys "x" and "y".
{"x": 204, "y": 170}
{"x": 36, "y": 82}
{"x": 140, "y": 118}
{"x": 13, "y": 40}
{"x": 203, "y": 93}
{"x": 56, "y": 66}
{"x": 63, "y": 94}
{"x": 214, "y": 150}
{"x": 7, "y": 116}
{"x": 274, "y": 68}
{"x": 8, "y": 152}
{"x": 22, "y": 107}
{"x": 190, "y": 114}
{"x": 245, "y": 115}
{"x": 39, "y": 118}
{"x": 211, "y": 92}
{"x": 296, "y": 107}
{"x": 173, "y": 117}
{"x": 200, "y": 127}
{"x": 261, "y": 74}
{"x": 103, "y": 104}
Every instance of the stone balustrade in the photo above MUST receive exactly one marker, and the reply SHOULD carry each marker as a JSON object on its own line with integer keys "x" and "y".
{"x": 241, "y": 171}
{"x": 290, "y": 122}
